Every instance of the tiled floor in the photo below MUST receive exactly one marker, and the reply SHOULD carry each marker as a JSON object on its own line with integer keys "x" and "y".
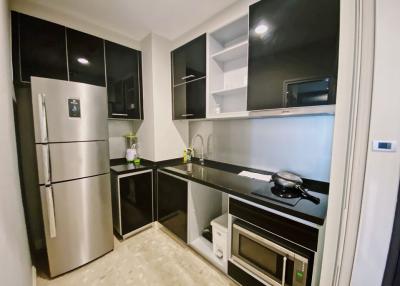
{"x": 149, "y": 258}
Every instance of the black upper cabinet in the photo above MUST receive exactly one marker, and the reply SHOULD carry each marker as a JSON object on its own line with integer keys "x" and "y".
{"x": 293, "y": 53}
{"x": 38, "y": 49}
{"x": 190, "y": 100}
{"x": 172, "y": 204}
{"x": 124, "y": 88}
{"x": 188, "y": 79}
{"x": 189, "y": 61}
{"x": 85, "y": 58}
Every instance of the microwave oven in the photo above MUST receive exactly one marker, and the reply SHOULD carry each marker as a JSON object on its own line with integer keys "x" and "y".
{"x": 268, "y": 260}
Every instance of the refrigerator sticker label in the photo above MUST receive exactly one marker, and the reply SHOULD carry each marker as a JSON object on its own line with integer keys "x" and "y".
{"x": 74, "y": 108}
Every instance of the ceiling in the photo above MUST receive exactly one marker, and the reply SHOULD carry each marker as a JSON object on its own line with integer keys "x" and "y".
{"x": 137, "y": 18}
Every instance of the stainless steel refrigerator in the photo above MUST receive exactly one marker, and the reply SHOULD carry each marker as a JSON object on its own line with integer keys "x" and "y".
{"x": 71, "y": 140}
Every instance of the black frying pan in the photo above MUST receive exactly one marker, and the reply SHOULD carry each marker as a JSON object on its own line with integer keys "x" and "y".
{"x": 290, "y": 180}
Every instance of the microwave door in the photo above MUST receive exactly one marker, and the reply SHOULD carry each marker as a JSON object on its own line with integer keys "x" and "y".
{"x": 269, "y": 261}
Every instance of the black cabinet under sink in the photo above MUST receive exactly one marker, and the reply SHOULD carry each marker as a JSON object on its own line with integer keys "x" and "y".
{"x": 293, "y": 53}
{"x": 172, "y": 196}
{"x": 85, "y": 58}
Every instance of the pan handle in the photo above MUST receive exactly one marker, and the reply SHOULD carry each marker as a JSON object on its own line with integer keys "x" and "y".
{"x": 308, "y": 196}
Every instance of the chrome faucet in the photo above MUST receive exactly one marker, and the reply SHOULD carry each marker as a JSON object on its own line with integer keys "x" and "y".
{"x": 202, "y": 147}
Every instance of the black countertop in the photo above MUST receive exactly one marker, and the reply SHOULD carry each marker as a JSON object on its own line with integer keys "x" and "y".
{"x": 129, "y": 168}
{"x": 243, "y": 187}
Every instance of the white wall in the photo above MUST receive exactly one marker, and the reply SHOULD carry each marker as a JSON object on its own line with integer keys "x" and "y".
{"x": 146, "y": 132}
{"x": 297, "y": 144}
{"x": 117, "y": 129}
{"x": 160, "y": 138}
{"x": 15, "y": 262}
{"x": 383, "y": 169}
{"x": 171, "y": 136}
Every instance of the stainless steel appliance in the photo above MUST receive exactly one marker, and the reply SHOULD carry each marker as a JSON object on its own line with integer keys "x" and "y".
{"x": 269, "y": 261}
{"x": 71, "y": 138}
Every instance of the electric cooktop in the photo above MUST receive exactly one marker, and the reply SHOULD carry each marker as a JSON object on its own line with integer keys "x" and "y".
{"x": 282, "y": 195}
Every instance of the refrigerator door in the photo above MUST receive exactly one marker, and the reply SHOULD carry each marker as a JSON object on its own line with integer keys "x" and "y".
{"x": 66, "y": 111}
{"x": 68, "y": 161}
{"x": 78, "y": 222}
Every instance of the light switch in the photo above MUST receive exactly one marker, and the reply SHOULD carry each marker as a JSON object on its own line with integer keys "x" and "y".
{"x": 384, "y": 146}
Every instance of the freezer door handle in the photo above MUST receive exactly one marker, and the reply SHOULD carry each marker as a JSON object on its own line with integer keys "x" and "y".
{"x": 50, "y": 211}
{"x": 43, "y": 117}
{"x": 46, "y": 164}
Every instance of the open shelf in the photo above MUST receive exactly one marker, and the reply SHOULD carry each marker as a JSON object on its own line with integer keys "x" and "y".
{"x": 205, "y": 248}
{"x": 230, "y": 91}
{"x": 227, "y": 70}
{"x": 231, "y": 53}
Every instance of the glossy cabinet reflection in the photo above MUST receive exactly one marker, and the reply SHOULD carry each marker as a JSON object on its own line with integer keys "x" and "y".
{"x": 189, "y": 61}
{"x": 189, "y": 100}
{"x": 85, "y": 58}
{"x": 132, "y": 201}
{"x": 38, "y": 49}
{"x": 189, "y": 79}
{"x": 172, "y": 204}
{"x": 293, "y": 53}
{"x": 123, "y": 66}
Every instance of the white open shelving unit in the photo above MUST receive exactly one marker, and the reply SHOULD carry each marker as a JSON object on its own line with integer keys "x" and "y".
{"x": 227, "y": 56}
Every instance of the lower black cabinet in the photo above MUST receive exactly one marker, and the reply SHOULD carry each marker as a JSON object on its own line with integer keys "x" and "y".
{"x": 132, "y": 201}
{"x": 172, "y": 204}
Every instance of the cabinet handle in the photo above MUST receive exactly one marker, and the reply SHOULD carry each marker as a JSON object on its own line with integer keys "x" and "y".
{"x": 188, "y": 76}
{"x": 119, "y": 114}
{"x": 187, "y": 115}
{"x": 284, "y": 270}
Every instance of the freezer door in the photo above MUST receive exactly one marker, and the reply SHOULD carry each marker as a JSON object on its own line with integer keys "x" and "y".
{"x": 78, "y": 222}
{"x": 68, "y": 161}
{"x": 66, "y": 111}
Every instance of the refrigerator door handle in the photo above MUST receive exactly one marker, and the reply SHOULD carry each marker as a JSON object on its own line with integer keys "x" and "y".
{"x": 46, "y": 164}
{"x": 43, "y": 118}
{"x": 50, "y": 212}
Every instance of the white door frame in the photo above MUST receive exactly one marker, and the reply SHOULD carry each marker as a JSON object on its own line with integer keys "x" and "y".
{"x": 350, "y": 142}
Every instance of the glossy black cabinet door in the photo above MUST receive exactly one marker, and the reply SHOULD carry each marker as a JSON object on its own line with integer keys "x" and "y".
{"x": 292, "y": 42}
{"x": 189, "y": 100}
{"x": 85, "y": 58}
{"x": 123, "y": 66}
{"x": 136, "y": 201}
{"x": 189, "y": 61}
{"x": 38, "y": 49}
{"x": 172, "y": 204}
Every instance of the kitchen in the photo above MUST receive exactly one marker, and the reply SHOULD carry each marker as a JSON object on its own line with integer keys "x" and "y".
{"x": 229, "y": 147}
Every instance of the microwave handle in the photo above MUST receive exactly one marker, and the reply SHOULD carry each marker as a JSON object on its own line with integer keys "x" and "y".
{"x": 284, "y": 270}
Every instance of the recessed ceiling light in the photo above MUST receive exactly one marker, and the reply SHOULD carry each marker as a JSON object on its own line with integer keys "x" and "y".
{"x": 261, "y": 29}
{"x": 83, "y": 61}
